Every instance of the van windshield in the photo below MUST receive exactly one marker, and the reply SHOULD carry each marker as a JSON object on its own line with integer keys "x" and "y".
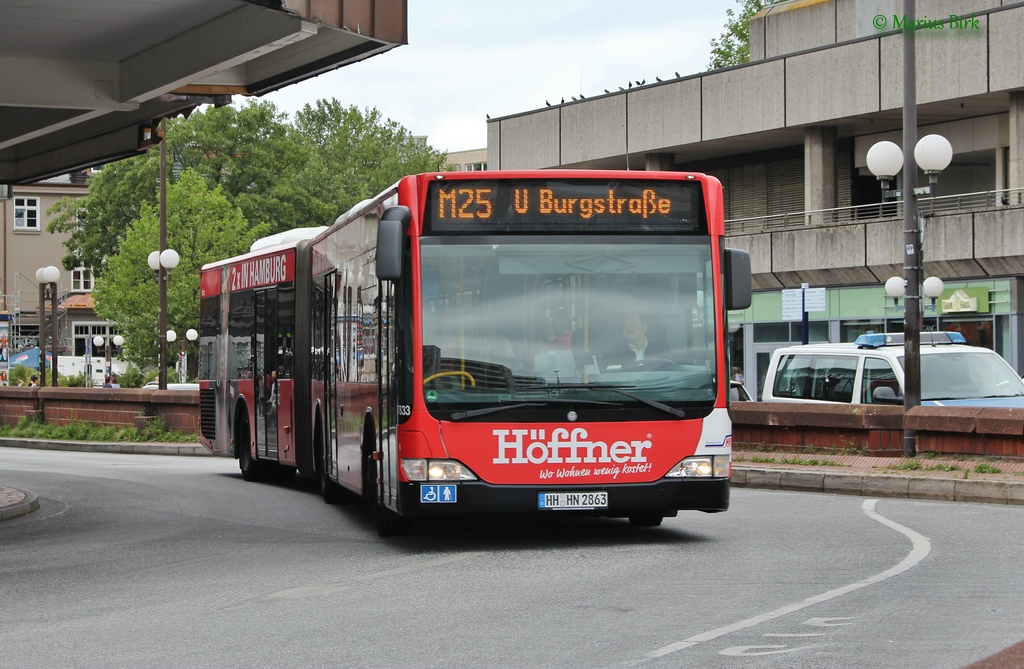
{"x": 967, "y": 374}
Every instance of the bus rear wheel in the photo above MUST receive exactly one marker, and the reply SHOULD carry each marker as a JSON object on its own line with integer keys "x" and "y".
{"x": 329, "y": 490}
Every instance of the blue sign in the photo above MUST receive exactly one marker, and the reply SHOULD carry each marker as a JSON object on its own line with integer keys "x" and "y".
{"x": 438, "y": 494}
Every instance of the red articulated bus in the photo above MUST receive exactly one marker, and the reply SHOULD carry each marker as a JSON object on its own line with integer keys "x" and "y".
{"x": 528, "y": 341}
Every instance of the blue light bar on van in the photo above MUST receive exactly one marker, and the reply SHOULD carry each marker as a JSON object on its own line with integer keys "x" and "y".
{"x": 878, "y": 339}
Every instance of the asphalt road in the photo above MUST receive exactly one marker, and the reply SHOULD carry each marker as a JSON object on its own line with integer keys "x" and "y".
{"x": 149, "y": 561}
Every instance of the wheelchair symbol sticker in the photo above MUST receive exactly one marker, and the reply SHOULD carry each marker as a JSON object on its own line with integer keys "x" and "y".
{"x": 438, "y": 494}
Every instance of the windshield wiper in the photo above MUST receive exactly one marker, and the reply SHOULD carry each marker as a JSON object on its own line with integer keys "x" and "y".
{"x": 679, "y": 413}
{"x": 459, "y": 415}
{"x": 483, "y": 411}
{"x": 573, "y": 386}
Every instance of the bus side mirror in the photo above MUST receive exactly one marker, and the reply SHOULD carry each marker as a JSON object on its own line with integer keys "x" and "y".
{"x": 738, "y": 282}
{"x": 391, "y": 242}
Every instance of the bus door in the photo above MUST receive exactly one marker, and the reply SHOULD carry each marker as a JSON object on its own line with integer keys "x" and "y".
{"x": 265, "y": 374}
{"x": 284, "y": 315}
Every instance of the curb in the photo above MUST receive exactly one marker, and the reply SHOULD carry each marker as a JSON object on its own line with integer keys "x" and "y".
{"x": 881, "y": 485}
{"x": 135, "y": 447}
{"x": 27, "y": 505}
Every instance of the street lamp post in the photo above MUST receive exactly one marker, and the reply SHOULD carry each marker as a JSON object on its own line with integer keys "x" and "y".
{"x": 162, "y": 262}
{"x": 172, "y": 336}
{"x": 191, "y": 335}
{"x": 47, "y": 278}
{"x": 98, "y": 341}
{"x": 932, "y": 154}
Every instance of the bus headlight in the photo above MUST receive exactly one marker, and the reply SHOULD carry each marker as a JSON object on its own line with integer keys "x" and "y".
{"x": 418, "y": 469}
{"x": 702, "y": 466}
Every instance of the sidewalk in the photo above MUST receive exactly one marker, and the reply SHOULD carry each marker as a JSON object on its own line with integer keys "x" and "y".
{"x": 952, "y": 480}
{"x": 949, "y": 479}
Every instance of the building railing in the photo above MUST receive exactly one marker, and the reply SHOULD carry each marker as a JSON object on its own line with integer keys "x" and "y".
{"x": 866, "y": 213}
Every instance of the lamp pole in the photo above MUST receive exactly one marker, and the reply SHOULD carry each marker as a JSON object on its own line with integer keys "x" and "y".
{"x": 47, "y": 278}
{"x": 162, "y": 262}
{"x": 912, "y": 263}
{"x": 116, "y": 340}
{"x": 192, "y": 335}
{"x": 97, "y": 344}
{"x": 933, "y": 154}
{"x": 170, "y": 336}
{"x": 162, "y": 274}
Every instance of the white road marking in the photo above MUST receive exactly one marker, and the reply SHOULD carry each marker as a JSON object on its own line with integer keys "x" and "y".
{"x": 921, "y": 547}
{"x": 764, "y": 650}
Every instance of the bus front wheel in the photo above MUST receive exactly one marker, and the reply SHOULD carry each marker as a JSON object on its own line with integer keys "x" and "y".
{"x": 252, "y": 469}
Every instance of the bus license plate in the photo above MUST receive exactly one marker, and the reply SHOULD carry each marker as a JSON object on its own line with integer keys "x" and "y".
{"x": 573, "y": 500}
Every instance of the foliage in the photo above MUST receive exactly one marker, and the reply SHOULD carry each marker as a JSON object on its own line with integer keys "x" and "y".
{"x": 20, "y": 373}
{"x": 74, "y": 381}
{"x": 155, "y": 431}
{"x": 99, "y": 221}
{"x": 233, "y": 175}
{"x": 202, "y": 226}
{"x": 131, "y": 378}
{"x": 355, "y": 155}
{"x": 25, "y": 374}
{"x": 732, "y": 47}
{"x": 251, "y": 153}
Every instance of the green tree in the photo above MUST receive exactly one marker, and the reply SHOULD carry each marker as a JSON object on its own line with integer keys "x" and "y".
{"x": 202, "y": 226}
{"x": 98, "y": 221}
{"x": 732, "y": 47}
{"x": 250, "y": 153}
{"x": 233, "y": 175}
{"x": 355, "y": 155}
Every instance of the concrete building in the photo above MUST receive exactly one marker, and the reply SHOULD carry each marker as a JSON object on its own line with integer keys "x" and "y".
{"x": 787, "y": 134}
{"x": 473, "y": 160}
{"x": 26, "y": 246}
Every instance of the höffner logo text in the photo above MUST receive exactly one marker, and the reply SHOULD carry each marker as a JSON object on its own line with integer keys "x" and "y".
{"x": 563, "y": 447}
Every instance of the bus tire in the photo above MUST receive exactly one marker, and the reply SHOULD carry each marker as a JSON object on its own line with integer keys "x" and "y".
{"x": 646, "y": 519}
{"x": 252, "y": 469}
{"x": 331, "y": 491}
{"x": 389, "y": 524}
{"x": 281, "y": 473}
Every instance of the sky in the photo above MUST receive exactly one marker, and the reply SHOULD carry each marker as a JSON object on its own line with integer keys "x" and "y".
{"x": 469, "y": 58}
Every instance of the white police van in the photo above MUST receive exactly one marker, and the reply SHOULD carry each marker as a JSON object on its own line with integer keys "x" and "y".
{"x": 870, "y": 371}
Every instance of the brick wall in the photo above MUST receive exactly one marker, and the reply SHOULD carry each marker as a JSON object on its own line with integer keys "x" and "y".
{"x": 179, "y": 410}
{"x": 877, "y": 430}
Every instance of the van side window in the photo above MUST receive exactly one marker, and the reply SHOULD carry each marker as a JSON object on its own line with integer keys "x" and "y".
{"x": 833, "y": 378}
{"x": 878, "y": 373}
{"x": 828, "y": 378}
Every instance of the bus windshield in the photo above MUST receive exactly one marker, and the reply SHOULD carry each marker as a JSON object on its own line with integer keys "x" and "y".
{"x": 606, "y": 321}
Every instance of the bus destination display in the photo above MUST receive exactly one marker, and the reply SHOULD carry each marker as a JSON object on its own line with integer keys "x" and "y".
{"x": 509, "y": 205}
